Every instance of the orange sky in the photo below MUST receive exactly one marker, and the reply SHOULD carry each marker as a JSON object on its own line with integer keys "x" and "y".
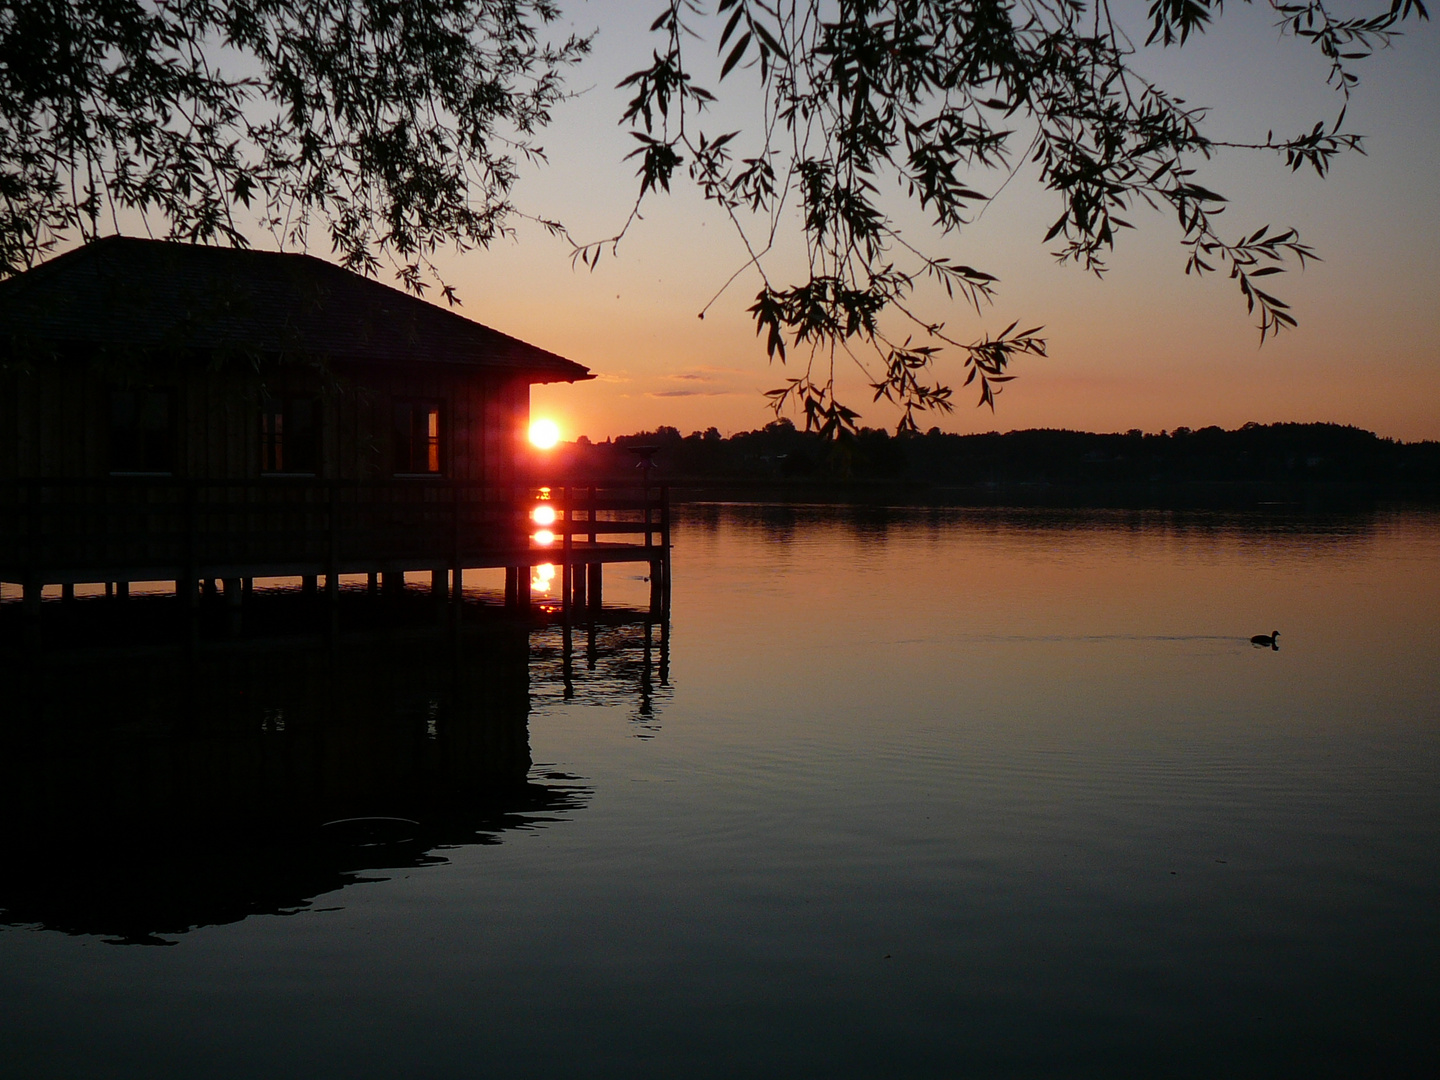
{"x": 1147, "y": 347}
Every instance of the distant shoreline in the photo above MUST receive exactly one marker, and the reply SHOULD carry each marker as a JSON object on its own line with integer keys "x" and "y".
{"x": 1318, "y": 466}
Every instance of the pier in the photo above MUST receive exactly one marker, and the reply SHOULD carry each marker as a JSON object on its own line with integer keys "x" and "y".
{"x": 215, "y": 538}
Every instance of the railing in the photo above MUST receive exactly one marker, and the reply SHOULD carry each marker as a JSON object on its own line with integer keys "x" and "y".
{"x": 60, "y": 530}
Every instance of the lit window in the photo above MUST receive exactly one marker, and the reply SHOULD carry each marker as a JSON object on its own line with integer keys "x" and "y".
{"x": 418, "y": 442}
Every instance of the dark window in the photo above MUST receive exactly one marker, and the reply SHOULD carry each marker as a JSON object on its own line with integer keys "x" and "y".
{"x": 142, "y": 431}
{"x": 418, "y": 443}
{"x": 290, "y": 435}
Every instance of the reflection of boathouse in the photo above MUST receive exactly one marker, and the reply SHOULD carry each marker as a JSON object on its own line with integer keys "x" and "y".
{"x": 148, "y": 790}
{"x": 173, "y": 412}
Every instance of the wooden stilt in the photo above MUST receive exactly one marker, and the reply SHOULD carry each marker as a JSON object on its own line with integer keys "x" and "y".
{"x": 32, "y": 593}
{"x": 582, "y": 571}
{"x": 567, "y": 571}
{"x": 67, "y": 591}
{"x": 595, "y": 586}
{"x": 234, "y": 604}
{"x": 657, "y": 585}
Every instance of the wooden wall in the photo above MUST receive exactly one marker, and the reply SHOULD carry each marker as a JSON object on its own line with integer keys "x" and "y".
{"x": 54, "y": 421}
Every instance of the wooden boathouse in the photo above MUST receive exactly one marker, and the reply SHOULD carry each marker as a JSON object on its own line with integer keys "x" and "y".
{"x": 212, "y": 415}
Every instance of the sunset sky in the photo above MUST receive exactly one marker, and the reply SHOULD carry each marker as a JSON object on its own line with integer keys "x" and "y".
{"x": 1146, "y": 347}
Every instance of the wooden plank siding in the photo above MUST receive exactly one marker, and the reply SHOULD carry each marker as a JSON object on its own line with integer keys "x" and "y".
{"x": 54, "y": 423}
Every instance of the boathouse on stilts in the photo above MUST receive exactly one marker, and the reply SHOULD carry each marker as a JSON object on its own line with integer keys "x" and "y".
{"x": 210, "y": 416}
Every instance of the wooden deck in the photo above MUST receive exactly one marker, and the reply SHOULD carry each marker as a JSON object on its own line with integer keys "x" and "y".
{"x": 118, "y": 530}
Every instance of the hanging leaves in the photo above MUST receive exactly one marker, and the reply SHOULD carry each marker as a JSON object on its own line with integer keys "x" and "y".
{"x": 930, "y": 98}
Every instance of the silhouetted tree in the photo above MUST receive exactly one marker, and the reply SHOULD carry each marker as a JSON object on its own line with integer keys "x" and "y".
{"x": 396, "y": 126}
{"x": 943, "y": 100}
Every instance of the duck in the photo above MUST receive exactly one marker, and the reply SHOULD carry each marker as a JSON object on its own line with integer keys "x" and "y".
{"x": 1270, "y": 640}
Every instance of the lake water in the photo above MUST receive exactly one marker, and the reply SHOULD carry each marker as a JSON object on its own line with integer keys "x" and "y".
{"x": 899, "y": 792}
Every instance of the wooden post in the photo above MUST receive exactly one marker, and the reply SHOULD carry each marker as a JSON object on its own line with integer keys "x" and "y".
{"x": 392, "y": 583}
{"x": 33, "y": 591}
{"x": 566, "y": 520}
{"x": 455, "y": 563}
{"x": 512, "y": 588}
{"x": 372, "y": 583}
{"x": 122, "y": 590}
{"x": 645, "y": 501}
{"x": 523, "y": 591}
{"x": 109, "y": 590}
{"x": 234, "y": 603}
{"x": 657, "y": 585}
{"x": 189, "y": 587}
{"x": 310, "y": 585}
{"x": 580, "y": 573}
{"x": 665, "y": 544}
{"x": 32, "y": 548}
{"x": 440, "y": 585}
{"x": 567, "y": 568}
{"x": 332, "y": 555}
{"x": 67, "y": 591}
{"x": 594, "y": 587}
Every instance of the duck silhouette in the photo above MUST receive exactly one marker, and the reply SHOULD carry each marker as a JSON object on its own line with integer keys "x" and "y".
{"x": 1270, "y": 640}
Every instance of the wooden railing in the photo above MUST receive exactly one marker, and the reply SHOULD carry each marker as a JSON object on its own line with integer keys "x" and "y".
{"x": 55, "y": 531}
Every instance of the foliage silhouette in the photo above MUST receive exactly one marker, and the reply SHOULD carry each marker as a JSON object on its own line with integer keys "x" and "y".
{"x": 397, "y": 126}
{"x": 932, "y": 98}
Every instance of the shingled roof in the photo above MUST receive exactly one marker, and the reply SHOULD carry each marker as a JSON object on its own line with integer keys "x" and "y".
{"x": 127, "y": 292}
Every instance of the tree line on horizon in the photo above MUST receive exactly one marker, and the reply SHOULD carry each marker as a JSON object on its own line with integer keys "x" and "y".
{"x": 1284, "y": 453}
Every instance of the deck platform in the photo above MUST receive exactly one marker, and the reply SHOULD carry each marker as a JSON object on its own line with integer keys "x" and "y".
{"x": 210, "y": 537}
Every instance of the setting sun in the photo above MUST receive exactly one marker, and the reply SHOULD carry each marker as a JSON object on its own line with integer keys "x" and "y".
{"x": 544, "y": 434}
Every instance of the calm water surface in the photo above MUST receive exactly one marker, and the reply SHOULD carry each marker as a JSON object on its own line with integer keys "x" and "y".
{"x": 918, "y": 793}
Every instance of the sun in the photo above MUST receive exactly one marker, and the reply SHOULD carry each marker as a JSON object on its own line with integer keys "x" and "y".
{"x": 544, "y": 434}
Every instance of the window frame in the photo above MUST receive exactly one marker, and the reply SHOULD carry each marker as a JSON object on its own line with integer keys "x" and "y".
{"x": 287, "y": 407}
{"x": 438, "y": 442}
